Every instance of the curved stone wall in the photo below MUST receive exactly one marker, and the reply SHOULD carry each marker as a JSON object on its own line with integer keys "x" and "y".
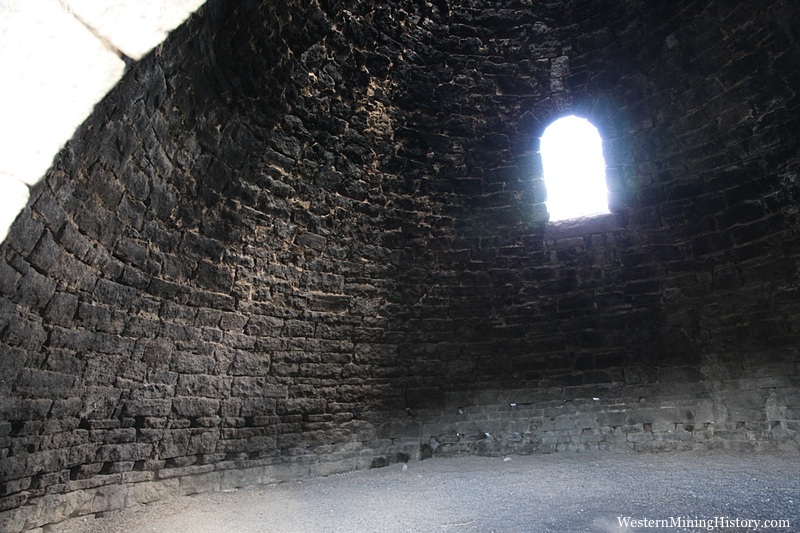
{"x": 310, "y": 237}
{"x": 673, "y": 321}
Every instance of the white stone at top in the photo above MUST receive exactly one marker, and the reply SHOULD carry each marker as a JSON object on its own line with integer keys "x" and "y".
{"x": 134, "y": 26}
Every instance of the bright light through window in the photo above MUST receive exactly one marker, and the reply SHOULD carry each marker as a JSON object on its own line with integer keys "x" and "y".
{"x": 574, "y": 169}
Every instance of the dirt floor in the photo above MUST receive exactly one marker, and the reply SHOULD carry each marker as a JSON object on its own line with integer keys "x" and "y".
{"x": 708, "y": 491}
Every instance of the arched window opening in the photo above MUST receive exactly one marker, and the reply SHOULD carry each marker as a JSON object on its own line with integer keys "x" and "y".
{"x": 574, "y": 169}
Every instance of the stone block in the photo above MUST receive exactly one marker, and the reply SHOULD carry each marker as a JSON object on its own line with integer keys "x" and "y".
{"x": 329, "y": 468}
{"x": 298, "y": 328}
{"x": 235, "y": 479}
{"x": 121, "y": 467}
{"x": 616, "y": 436}
{"x": 115, "y": 294}
{"x": 233, "y": 322}
{"x": 15, "y": 486}
{"x": 163, "y": 199}
{"x": 16, "y": 517}
{"x": 182, "y": 442}
{"x": 264, "y": 326}
{"x": 147, "y": 391}
{"x": 11, "y": 365}
{"x": 238, "y": 341}
{"x": 199, "y": 483}
{"x": 208, "y": 318}
{"x": 217, "y": 278}
{"x": 25, "y": 334}
{"x": 137, "y": 476}
{"x": 664, "y": 426}
{"x": 641, "y": 436}
{"x": 185, "y": 471}
{"x": 207, "y": 422}
{"x": 42, "y": 383}
{"x": 257, "y": 387}
{"x": 189, "y": 407}
{"x": 151, "y": 491}
{"x": 133, "y": 451}
{"x": 310, "y": 240}
{"x": 24, "y": 409}
{"x": 214, "y": 300}
{"x": 130, "y": 250}
{"x": 9, "y": 278}
{"x": 99, "y": 403}
{"x": 196, "y": 247}
{"x": 703, "y": 413}
{"x": 611, "y": 418}
{"x": 64, "y": 362}
{"x": 27, "y": 232}
{"x": 65, "y": 439}
{"x": 582, "y": 422}
{"x": 256, "y": 407}
{"x": 58, "y": 507}
{"x": 559, "y": 423}
{"x": 250, "y": 364}
{"x": 192, "y": 362}
{"x": 47, "y": 253}
{"x": 301, "y": 406}
{"x": 148, "y": 408}
{"x": 205, "y": 386}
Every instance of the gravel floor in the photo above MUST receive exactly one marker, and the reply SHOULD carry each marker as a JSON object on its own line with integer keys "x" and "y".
{"x": 540, "y": 493}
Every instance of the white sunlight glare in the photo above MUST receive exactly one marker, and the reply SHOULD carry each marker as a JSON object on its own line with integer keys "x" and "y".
{"x": 574, "y": 169}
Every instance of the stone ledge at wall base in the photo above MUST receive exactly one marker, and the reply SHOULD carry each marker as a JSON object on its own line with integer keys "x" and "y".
{"x": 516, "y": 424}
{"x": 120, "y": 491}
{"x": 103, "y": 494}
{"x": 634, "y": 439}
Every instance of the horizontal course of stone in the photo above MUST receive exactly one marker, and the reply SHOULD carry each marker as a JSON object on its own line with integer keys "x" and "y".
{"x": 306, "y": 237}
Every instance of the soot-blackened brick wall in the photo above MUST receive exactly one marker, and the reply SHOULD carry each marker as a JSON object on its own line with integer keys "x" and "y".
{"x": 303, "y": 237}
{"x": 670, "y": 323}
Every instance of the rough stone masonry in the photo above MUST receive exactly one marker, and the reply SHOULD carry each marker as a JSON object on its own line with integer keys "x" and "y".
{"x": 310, "y": 236}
